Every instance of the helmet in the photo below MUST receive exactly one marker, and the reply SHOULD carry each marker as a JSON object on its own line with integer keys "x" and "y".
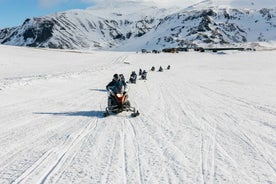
{"x": 115, "y": 76}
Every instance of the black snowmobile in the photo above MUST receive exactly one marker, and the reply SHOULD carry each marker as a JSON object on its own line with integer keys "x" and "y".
{"x": 140, "y": 71}
{"x": 118, "y": 102}
{"x": 160, "y": 69}
{"x": 144, "y": 75}
{"x": 133, "y": 77}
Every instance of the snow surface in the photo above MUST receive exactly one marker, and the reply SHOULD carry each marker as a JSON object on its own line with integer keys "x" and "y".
{"x": 210, "y": 119}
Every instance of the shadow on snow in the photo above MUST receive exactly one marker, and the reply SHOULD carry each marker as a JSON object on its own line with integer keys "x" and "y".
{"x": 99, "y": 90}
{"x": 98, "y": 114}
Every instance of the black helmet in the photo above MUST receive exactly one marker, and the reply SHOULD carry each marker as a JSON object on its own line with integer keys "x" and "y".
{"x": 115, "y": 76}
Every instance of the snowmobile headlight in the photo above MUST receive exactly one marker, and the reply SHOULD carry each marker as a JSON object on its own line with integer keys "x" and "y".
{"x": 119, "y": 95}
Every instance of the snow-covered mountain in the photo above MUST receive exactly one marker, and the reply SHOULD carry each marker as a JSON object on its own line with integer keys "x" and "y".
{"x": 133, "y": 25}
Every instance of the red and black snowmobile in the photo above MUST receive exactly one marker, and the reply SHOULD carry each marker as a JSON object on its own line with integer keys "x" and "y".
{"x": 118, "y": 102}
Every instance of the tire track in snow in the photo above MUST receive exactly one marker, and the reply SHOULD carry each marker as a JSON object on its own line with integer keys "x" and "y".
{"x": 190, "y": 112}
{"x": 243, "y": 130}
{"x": 125, "y": 161}
{"x": 209, "y": 145}
{"x": 57, "y": 156}
{"x": 164, "y": 134}
{"x": 29, "y": 151}
{"x": 201, "y": 161}
{"x": 84, "y": 156}
{"x": 162, "y": 141}
{"x": 221, "y": 118}
{"x": 24, "y": 151}
{"x": 132, "y": 154}
{"x": 137, "y": 154}
{"x": 110, "y": 160}
{"x": 70, "y": 154}
{"x": 172, "y": 159}
{"x": 34, "y": 125}
{"x": 207, "y": 142}
{"x": 249, "y": 104}
{"x": 213, "y": 116}
{"x": 113, "y": 165}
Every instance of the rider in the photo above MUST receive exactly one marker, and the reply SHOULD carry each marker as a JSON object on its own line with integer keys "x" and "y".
{"x": 133, "y": 77}
{"x": 117, "y": 85}
{"x": 113, "y": 82}
{"x": 118, "y": 81}
{"x": 160, "y": 69}
{"x": 122, "y": 78}
{"x": 144, "y": 75}
{"x": 140, "y": 71}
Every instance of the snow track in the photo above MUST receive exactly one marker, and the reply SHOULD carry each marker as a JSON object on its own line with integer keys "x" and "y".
{"x": 200, "y": 122}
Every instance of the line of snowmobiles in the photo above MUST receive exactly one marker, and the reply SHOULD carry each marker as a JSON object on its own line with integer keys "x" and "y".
{"x": 118, "y": 96}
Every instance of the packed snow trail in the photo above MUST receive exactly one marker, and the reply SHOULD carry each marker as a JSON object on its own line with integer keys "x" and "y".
{"x": 210, "y": 119}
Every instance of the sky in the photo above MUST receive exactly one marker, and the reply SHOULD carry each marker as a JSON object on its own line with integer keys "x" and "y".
{"x": 15, "y": 12}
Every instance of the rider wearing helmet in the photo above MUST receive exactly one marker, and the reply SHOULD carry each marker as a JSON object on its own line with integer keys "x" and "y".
{"x": 117, "y": 81}
{"x": 144, "y": 75}
{"x": 113, "y": 82}
{"x": 122, "y": 78}
{"x": 133, "y": 77}
{"x": 117, "y": 85}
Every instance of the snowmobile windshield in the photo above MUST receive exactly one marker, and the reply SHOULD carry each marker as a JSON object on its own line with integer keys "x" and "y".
{"x": 118, "y": 88}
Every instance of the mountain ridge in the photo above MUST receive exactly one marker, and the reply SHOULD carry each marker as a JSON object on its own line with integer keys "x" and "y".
{"x": 154, "y": 27}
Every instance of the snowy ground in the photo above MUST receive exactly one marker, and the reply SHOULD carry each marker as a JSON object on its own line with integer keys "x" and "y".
{"x": 210, "y": 119}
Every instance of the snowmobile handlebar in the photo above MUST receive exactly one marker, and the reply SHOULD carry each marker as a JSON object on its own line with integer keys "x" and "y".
{"x": 111, "y": 91}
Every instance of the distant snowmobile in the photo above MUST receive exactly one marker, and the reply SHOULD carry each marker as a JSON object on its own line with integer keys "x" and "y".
{"x": 133, "y": 77}
{"x": 140, "y": 71}
{"x": 160, "y": 69}
{"x": 119, "y": 103}
{"x": 144, "y": 75}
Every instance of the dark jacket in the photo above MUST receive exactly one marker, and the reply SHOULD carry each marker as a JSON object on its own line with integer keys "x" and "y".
{"x": 116, "y": 86}
{"x": 133, "y": 75}
{"x": 111, "y": 84}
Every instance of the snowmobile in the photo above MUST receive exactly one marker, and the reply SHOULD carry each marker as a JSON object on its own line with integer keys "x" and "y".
{"x": 118, "y": 102}
{"x": 160, "y": 69}
{"x": 144, "y": 75}
{"x": 140, "y": 71}
{"x": 133, "y": 78}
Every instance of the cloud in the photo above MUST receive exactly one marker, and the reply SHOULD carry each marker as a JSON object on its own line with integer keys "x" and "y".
{"x": 185, "y": 3}
{"x": 51, "y": 3}
{"x": 158, "y": 2}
